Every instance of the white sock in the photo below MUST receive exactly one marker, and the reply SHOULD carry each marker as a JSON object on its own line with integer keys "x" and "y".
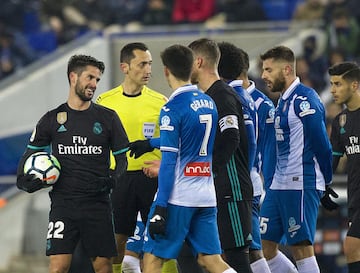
{"x": 308, "y": 265}
{"x": 131, "y": 264}
{"x": 229, "y": 270}
{"x": 281, "y": 263}
{"x": 260, "y": 266}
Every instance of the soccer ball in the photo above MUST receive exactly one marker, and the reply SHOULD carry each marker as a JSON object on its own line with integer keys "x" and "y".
{"x": 44, "y": 166}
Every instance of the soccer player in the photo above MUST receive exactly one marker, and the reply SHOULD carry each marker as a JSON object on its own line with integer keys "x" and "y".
{"x": 185, "y": 204}
{"x": 345, "y": 135}
{"x": 133, "y": 252}
{"x": 229, "y": 68}
{"x": 81, "y": 135}
{"x": 138, "y": 108}
{"x": 233, "y": 185}
{"x": 303, "y": 165}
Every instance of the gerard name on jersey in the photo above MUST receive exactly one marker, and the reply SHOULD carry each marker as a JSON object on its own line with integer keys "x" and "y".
{"x": 196, "y": 104}
{"x": 79, "y": 147}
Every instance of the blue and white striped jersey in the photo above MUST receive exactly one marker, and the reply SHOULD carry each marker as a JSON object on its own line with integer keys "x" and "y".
{"x": 265, "y": 159}
{"x": 188, "y": 123}
{"x": 304, "y": 155}
{"x": 250, "y": 118}
{"x": 251, "y": 123}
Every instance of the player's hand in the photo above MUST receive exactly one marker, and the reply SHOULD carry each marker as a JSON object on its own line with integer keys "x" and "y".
{"x": 326, "y": 200}
{"x": 139, "y": 147}
{"x": 28, "y": 183}
{"x": 151, "y": 168}
{"x": 157, "y": 223}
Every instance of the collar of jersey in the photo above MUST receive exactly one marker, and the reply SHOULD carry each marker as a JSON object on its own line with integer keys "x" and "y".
{"x": 291, "y": 88}
{"x": 183, "y": 89}
{"x": 251, "y": 87}
{"x": 235, "y": 83}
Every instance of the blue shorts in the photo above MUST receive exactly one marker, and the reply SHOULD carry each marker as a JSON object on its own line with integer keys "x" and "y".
{"x": 255, "y": 223}
{"x": 135, "y": 243}
{"x": 292, "y": 213}
{"x": 196, "y": 226}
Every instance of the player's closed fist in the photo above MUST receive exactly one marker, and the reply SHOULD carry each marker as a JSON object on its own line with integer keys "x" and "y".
{"x": 326, "y": 200}
{"x": 139, "y": 147}
{"x": 157, "y": 223}
{"x": 29, "y": 183}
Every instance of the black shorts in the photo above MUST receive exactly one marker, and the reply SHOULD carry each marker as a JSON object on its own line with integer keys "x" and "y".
{"x": 134, "y": 193}
{"x": 234, "y": 223}
{"x": 89, "y": 222}
{"x": 354, "y": 229}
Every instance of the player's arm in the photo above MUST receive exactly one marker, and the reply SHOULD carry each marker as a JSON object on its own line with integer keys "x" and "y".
{"x": 166, "y": 180}
{"x": 337, "y": 147}
{"x": 166, "y": 177}
{"x": 315, "y": 130}
{"x": 119, "y": 147}
{"x": 139, "y": 147}
{"x": 251, "y": 138}
{"x": 39, "y": 141}
{"x": 227, "y": 141}
{"x": 28, "y": 182}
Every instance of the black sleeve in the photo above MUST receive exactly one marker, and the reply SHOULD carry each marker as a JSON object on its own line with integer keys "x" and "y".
{"x": 225, "y": 145}
{"x": 335, "y": 162}
{"x": 121, "y": 166}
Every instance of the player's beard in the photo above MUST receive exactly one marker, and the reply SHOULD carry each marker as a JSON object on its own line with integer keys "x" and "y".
{"x": 279, "y": 84}
{"x": 81, "y": 92}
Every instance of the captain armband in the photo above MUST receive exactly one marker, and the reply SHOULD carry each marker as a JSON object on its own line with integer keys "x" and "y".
{"x": 228, "y": 122}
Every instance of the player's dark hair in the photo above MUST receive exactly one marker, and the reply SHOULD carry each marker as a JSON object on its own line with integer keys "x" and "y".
{"x": 230, "y": 63}
{"x": 349, "y": 71}
{"x": 245, "y": 60}
{"x": 127, "y": 52}
{"x": 78, "y": 63}
{"x": 179, "y": 60}
{"x": 279, "y": 53}
{"x": 208, "y": 48}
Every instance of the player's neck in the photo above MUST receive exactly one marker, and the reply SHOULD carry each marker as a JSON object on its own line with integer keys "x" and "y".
{"x": 354, "y": 103}
{"x": 208, "y": 80}
{"x": 78, "y": 105}
{"x": 131, "y": 89}
{"x": 246, "y": 83}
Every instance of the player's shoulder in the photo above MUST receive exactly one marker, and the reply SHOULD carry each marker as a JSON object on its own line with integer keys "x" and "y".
{"x": 103, "y": 110}
{"x": 306, "y": 91}
{"x": 61, "y": 108}
{"x": 341, "y": 115}
{"x": 220, "y": 91}
{"x": 108, "y": 95}
{"x": 156, "y": 95}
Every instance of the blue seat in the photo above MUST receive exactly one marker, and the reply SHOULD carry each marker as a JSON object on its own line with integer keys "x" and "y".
{"x": 42, "y": 42}
{"x": 279, "y": 9}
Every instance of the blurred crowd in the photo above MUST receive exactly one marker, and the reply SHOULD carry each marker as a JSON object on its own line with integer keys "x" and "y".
{"x": 30, "y": 29}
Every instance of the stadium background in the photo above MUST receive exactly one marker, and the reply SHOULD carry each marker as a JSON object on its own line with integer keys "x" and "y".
{"x": 26, "y": 95}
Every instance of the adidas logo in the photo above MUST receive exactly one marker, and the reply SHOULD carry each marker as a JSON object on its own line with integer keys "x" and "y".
{"x": 62, "y": 129}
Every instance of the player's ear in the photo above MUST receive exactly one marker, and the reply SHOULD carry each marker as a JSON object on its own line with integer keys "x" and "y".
{"x": 124, "y": 67}
{"x": 73, "y": 77}
{"x": 166, "y": 71}
{"x": 198, "y": 62}
{"x": 355, "y": 86}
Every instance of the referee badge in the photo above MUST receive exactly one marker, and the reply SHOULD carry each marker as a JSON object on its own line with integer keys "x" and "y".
{"x": 148, "y": 129}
